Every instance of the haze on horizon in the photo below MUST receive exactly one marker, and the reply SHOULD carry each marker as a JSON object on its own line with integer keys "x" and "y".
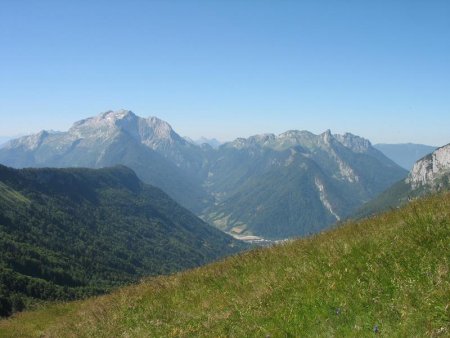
{"x": 231, "y": 69}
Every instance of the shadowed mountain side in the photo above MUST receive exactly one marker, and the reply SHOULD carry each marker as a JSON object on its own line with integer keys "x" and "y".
{"x": 69, "y": 233}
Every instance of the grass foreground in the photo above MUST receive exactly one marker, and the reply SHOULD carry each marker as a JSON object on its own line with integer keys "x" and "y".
{"x": 389, "y": 274}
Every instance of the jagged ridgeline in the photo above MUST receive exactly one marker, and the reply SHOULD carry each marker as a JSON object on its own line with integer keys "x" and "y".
{"x": 70, "y": 233}
{"x": 274, "y": 186}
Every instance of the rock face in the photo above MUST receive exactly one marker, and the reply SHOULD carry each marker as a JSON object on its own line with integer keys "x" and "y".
{"x": 355, "y": 143}
{"x": 431, "y": 167}
{"x": 429, "y": 175}
{"x": 277, "y": 186}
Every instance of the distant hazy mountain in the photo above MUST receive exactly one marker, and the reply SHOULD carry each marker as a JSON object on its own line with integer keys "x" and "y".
{"x": 405, "y": 154}
{"x": 149, "y": 146}
{"x": 4, "y": 139}
{"x": 65, "y": 233}
{"x": 275, "y": 186}
{"x": 294, "y": 183}
{"x": 211, "y": 141}
{"x": 428, "y": 175}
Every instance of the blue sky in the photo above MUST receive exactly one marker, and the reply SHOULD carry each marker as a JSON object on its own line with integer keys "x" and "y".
{"x": 379, "y": 69}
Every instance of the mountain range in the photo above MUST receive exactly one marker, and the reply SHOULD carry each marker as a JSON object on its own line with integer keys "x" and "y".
{"x": 70, "y": 233}
{"x": 150, "y": 147}
{"x": 269, "y": 185}
{"x": 295, "y": 183}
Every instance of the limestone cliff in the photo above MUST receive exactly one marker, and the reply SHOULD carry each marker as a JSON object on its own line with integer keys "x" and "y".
{"x": 428, "y": 169}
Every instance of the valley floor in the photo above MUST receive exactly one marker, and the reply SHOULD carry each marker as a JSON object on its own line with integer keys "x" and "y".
{"x": 257, "y": 240}
{"x": 388, "y": 274}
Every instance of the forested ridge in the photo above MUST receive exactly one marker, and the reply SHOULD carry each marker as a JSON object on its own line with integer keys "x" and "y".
{"x": 72, "y": 233}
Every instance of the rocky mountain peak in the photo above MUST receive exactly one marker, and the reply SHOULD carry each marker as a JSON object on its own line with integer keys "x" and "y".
{"x": 326, "y": 136}
{"x": 105, "y": 124}
{"x": 262, "y": 138}
{"x": 109, "y": 117}
{"x": 118, "y": 114}
{"x": 160, "y": 128}
{"x": 353, "y": 142}
{"x": 295, "y": 135}
{"x": 151, "y": 131}
{"x": 30, "y": 142}
{"x": 430, "y": 167}
{"x": 252, "y": 141}
{"x": 292, "y": 138}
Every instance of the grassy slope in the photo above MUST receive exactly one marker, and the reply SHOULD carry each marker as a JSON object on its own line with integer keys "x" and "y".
{"x": 391, "y": 271}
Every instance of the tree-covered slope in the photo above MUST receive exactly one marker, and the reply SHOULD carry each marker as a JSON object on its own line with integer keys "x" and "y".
{"x": 68, "y": 233}
{"x": 388, "y": 274}
{"x": 281, "y": 203}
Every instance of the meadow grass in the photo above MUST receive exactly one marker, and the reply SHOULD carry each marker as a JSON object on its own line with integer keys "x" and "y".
{"x": 389, "y": 273}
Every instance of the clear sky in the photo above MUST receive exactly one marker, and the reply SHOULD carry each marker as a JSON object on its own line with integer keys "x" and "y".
{"x": 379, "y": 69}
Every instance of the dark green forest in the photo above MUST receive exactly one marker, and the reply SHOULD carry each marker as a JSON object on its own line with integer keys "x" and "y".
{"x": 71, "y": 233}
